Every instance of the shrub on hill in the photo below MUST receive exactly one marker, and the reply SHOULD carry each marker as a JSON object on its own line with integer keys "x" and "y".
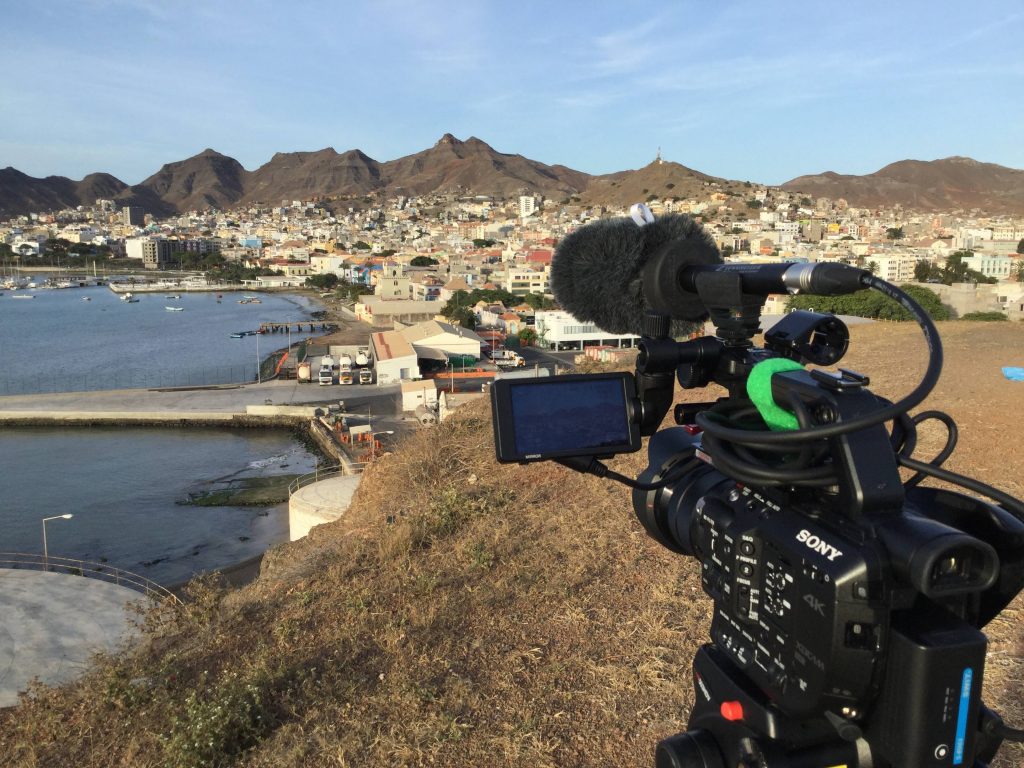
{"x": 988, "y": 317}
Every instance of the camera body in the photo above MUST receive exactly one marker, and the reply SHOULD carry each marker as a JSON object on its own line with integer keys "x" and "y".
{"x": 848, "y": 604}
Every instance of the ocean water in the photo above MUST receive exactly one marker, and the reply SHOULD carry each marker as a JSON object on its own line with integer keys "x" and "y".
{"x": 60, "y": 342}
{"x": 122, "y": 484}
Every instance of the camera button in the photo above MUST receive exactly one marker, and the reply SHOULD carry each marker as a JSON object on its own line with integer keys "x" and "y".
{"x": 731, "y": 710}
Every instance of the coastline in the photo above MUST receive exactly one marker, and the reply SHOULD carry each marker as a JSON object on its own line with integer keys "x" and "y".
{"x": 246, "y": 566}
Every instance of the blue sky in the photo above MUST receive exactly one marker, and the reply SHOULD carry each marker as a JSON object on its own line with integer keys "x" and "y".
{"x": 764, "y": 91}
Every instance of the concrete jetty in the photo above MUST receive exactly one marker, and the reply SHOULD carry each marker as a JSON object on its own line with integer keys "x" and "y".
{"x": 272, "y": 402}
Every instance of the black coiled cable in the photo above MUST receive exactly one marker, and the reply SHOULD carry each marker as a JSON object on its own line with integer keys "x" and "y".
{"x": 742, "y": 446}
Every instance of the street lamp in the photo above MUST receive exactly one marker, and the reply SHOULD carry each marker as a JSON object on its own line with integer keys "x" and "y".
{"x": 46, "y": 552}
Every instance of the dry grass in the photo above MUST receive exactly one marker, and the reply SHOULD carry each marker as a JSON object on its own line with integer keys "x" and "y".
{"x": 465, "y": 613}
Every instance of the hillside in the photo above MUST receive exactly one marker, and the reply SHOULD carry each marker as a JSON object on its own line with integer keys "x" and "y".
{"x": 656, "y": 180}
{"x": 20, "y": 193}
{"x": 955, "y": 183}
{"x": 207, "y": 180}
{"x": 303, "y": 175}
{"x": 474, "y": 167}
{"x": 466, "y": 613}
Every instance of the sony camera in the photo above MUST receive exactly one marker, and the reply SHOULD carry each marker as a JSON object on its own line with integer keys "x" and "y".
{"x": 848, "y": 601}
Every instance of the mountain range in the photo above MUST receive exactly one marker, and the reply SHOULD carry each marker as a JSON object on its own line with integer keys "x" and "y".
{"x": 212, "y": 180}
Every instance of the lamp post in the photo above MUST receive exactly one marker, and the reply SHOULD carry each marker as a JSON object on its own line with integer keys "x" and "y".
{"x": 46, "y": 552}
{"x": 259, "y": 372}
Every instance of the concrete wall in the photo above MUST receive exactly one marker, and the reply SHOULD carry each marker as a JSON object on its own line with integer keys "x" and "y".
{"x": 963, "y": 298}
{"x": 320, "y": 502}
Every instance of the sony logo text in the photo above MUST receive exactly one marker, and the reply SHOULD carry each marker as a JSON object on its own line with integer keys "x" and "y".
{"x": 818, "y": 544}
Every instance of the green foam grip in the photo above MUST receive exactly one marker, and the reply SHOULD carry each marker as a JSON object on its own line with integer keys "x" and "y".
{"x": 759, "y": 390}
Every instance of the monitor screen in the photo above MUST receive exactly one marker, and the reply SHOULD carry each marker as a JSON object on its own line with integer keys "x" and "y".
{"x": 561, "y": 416}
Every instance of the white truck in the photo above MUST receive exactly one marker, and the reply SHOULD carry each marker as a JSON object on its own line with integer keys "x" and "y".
{"x": 507, "y": 358}
{"x": 345, "y": 370}
{"x": 326, "y": 375}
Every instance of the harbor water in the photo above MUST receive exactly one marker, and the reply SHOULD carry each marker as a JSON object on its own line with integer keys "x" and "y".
{"x": 83, "y": 339}
{"x": 125, "y": 486}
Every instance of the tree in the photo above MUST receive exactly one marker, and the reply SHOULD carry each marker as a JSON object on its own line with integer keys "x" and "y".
{"x": 754, "y": 204}
{"x": 352, "y": 291}
{"x": 326, "y": 282}
{"x": 873, "y": 304}
{"x": 958, "y": 272}
{"x": 480, "y": 242}
{"x": 925, "y": 271}
{"x": 894, "y": 233}
{"x": 422, "y": 261}
{"x": 462, "y": 316}
{"x": 527, "y": 336}
{"x": 362, "y": 245}
{"x": 1020, "y": 246}
{"x": 539, "y": 301}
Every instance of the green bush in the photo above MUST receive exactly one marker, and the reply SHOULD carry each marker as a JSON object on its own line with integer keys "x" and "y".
{"x": 219, "y": 722}
{"x": 870, "y": 303}
{"x": 988, "y": 317}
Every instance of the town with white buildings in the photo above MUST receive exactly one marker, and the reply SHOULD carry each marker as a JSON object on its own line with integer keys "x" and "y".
{"x": 408, "y": 256}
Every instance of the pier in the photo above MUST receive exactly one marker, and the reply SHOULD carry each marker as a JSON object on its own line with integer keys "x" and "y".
{"x": 272, "y": 403}
{"x": 312, "y": 326}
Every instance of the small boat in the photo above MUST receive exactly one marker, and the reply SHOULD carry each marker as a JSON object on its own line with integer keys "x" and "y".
{"x": 241, "y": 334}
{"x": 87, "y": 298}
{"x": 174, "y": 296}
{"x": 175, "y": 309}
{"x": 23, "y": 296}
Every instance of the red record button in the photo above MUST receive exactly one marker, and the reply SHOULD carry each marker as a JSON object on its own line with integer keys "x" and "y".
{"x": 731, "y": 710}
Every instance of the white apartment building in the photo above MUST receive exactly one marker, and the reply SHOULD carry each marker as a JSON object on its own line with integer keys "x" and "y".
{"x": 559, "y": 330}
{"x": 999, "y": 267}
{"x": 154, "y": 252}
{"x": 326, "y": 264}
{"x": 78, "y": 233}
{"x": 527, "y": 205}
{"x": 894, "y": 269}
{"x": 522, "y": 281}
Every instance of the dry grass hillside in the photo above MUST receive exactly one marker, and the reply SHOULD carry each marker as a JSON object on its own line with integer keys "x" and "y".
{"x": 465, "y": 613}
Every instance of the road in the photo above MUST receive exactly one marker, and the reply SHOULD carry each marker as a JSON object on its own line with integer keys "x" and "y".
{"x": 546, "y": 358}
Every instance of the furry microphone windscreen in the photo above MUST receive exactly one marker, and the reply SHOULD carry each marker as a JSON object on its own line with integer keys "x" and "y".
{"x": 597, "y": 271}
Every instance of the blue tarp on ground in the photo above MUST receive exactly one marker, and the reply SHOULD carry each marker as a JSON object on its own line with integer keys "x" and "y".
{"x": 1014, "y": 374}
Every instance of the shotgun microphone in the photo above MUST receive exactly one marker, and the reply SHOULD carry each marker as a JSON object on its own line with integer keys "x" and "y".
{"x": 612, "y": 271}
